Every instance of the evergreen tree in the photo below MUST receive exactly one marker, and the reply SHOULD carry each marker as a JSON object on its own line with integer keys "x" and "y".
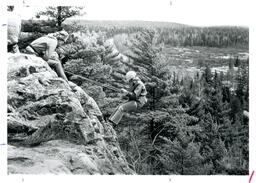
{"x": 237, "y": 62}
{"x": 150, "y": 64}
{"x": 61, "y": 13}
{"x": 242, "y": 90}
{"x": 176, "y": 149}
{"x": 208, "y": 75}
{"x": 230, "y": 64}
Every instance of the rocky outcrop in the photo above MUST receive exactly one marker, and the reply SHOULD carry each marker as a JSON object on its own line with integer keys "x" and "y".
{"x": 53, "y": 128}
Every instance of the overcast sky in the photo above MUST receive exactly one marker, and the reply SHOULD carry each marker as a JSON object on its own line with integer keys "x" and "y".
{"x": 193, "y": 12}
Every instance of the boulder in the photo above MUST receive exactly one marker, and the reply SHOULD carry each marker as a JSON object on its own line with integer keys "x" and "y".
{"x": 64, "y": 157}
{"x": 54, "y": 127}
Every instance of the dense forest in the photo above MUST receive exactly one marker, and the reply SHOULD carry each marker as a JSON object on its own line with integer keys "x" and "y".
{"x": 174, "y": 34}
{"x": 191, "y": 125}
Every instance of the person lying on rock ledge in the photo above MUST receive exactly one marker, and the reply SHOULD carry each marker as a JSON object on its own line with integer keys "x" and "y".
{"x": 136, "y": 98}
{"x": 45, "y": 47}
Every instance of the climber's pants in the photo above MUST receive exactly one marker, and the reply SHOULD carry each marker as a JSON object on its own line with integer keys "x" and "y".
{"x": 121, "y": 109}
{"x": 56, "y": 65}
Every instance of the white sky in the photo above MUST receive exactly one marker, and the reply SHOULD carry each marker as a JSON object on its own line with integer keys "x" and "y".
{"x": 192, "y": 12}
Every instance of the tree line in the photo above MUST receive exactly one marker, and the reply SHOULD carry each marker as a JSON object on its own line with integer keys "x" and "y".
{"x": 172, "y": 36}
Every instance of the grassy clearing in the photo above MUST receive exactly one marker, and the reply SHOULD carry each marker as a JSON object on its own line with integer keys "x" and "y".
{"x": 202, "y": 56}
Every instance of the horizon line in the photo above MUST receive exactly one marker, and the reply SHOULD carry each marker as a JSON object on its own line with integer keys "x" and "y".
{"x": 162, "y": 21}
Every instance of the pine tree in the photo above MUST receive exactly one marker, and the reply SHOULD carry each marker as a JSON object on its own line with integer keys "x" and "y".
{"x": 208, "y": 75}
{"x": 61, "y": 13}
{"x": 237, "y": 62}
{"x": 149, "y": 64}
{"x": 230, "y": 64}
{"x": 242, "y": 80}
{"x": 176, "y": 149}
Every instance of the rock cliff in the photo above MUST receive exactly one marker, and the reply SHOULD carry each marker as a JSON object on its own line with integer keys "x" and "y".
{"x": 53, "y": 128}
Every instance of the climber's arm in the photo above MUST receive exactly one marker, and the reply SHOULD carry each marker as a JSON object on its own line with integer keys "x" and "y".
{"x": 136, "y": 93}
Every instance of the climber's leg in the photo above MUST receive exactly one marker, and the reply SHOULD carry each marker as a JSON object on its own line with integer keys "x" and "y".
{"x": 121, "y": 109}
{"x": 56, "y": 65}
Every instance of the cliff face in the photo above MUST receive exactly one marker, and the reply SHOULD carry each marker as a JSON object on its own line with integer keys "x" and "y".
{"x": 53, "y": 128}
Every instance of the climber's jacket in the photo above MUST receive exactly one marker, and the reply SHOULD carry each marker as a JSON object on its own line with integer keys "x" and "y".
{"x": 137, "y": 91}
{"x": 44, "y": 46}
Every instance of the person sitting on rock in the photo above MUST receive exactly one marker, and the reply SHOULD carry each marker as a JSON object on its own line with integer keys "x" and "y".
{"x": 136, "y": 98}
{"x": 13, "y": 30}
{"x": 45, "y": 47}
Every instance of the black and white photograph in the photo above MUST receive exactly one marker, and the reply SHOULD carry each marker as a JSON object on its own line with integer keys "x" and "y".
{"x": 126, "y": 87}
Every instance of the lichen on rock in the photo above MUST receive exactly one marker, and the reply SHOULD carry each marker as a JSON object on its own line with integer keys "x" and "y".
{"x": 53, "y": 128}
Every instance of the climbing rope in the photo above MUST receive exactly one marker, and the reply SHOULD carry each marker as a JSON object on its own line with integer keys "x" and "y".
{"x": 96, "y": 82}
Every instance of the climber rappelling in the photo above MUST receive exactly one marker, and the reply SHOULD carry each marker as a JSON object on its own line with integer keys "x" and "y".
{"x": 136, "y": 95}
{"x": 136, "y": 98}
